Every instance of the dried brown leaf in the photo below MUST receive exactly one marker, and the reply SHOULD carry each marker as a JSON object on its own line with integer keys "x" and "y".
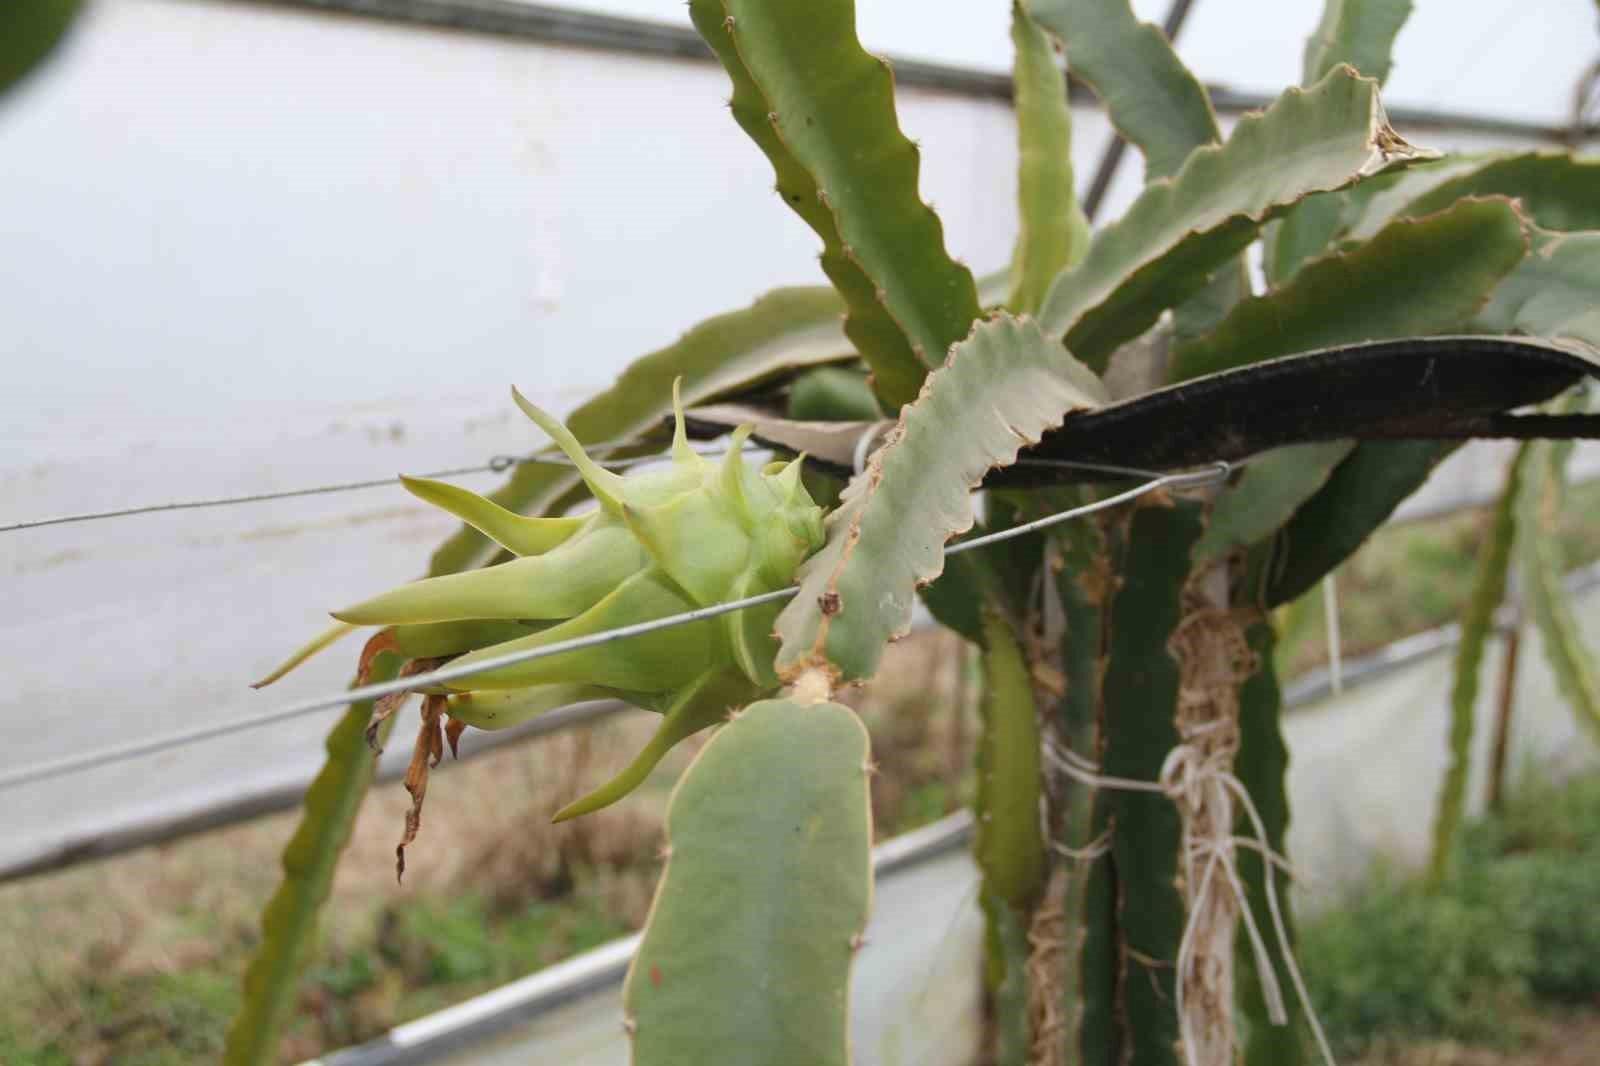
{"x": 425, "y": 755}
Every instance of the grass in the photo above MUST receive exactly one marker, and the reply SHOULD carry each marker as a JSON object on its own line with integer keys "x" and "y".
{"x": 137, "y": 960}
{"x": 1509, "y": 941}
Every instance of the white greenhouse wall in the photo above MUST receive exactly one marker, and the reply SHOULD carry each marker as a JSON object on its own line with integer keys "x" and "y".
{"x": 1366, "y": 767}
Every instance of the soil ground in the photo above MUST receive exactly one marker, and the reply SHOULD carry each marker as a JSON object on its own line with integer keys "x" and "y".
{"x": 1571, "y": 1040}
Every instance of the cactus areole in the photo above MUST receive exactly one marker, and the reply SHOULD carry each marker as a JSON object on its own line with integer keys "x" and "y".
{"x": 662, "y": 541}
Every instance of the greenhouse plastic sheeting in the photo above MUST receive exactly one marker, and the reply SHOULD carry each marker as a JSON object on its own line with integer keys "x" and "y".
{"x": 1365, "y": 767}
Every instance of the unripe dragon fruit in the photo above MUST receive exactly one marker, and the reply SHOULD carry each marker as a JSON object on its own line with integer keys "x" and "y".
{"x": 661, "y": 542}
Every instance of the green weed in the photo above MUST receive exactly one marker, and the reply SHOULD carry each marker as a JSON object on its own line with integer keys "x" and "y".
{"x": 1515, "y": 926}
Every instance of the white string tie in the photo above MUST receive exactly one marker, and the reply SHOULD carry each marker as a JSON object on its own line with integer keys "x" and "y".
{"x": 864, "y": 443}
{"x": 1184, "y": 778}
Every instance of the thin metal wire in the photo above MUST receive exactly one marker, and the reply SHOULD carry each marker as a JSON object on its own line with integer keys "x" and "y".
{"x": 1209, "y": 476}
{"x": 224, "y": 501}
{"x": 1101, "y": 468}
{"x": 91, "y": 760}
{"x": 496, "y": 465}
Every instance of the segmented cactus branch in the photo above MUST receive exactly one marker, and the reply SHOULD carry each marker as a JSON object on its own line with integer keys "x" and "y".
{"x": 1009, "y": 846}
{"x": 844, "y": 167}
{"x": 1082, "y": 566}
{"x": 1181, "y": 230}
{"x": 1005, "y": 385}
{"x": 747, "y": 952}
{"x": 1261, "y": 766}
{"x": 1137, "y": 911}
{"x": 289, "y": 922}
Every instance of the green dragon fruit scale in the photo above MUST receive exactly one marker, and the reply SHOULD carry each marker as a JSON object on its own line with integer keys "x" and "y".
{"x": 661, "y": 542}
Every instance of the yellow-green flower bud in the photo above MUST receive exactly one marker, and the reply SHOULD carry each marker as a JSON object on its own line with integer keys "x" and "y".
{"x": 661, "y": 542}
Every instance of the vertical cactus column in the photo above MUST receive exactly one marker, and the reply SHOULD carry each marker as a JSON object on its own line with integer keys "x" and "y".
{"x": 1135, "y": 907}
{"x": 1084, "y": 576}
{"x": 1262, "y": 766}
{"x": 1010, "y": 846}
{"x": 289, "y": 923}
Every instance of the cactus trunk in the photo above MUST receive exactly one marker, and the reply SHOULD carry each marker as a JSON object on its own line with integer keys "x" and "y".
{"x": 1136, "y": 907}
